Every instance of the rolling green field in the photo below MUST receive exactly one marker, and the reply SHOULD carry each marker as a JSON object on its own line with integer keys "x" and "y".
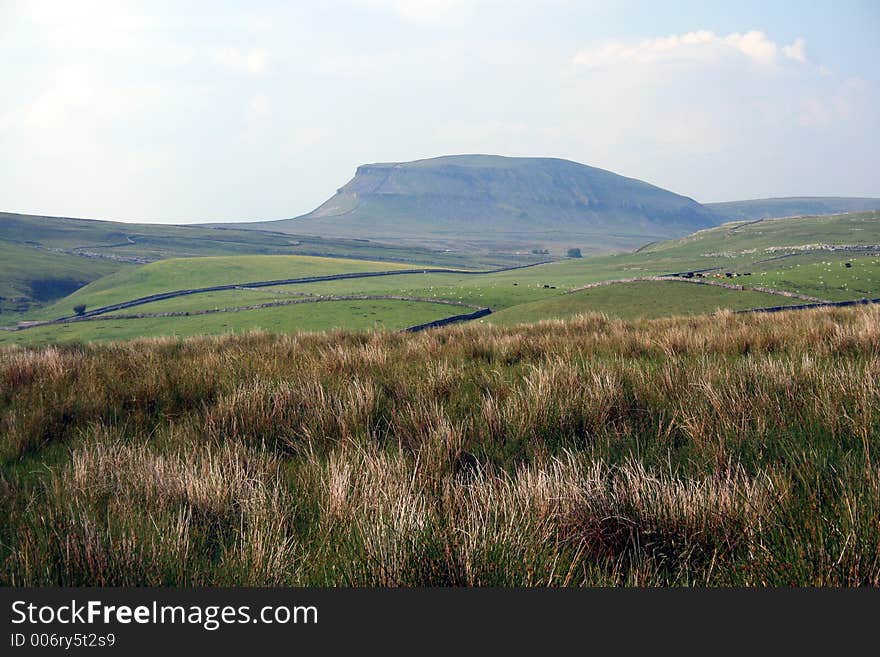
{"x": 639, "y": 300}
{"x": 29, "y": 277}
{"x": 42, "y": 259}
{"x": 493, "y": 290}
{"x": 323, "y": 316}
{"x": 828, "y": 277}
{"x": 753, "y": 241}
{"x": 150, "y": 242}
{"x": 180, "y": 273}
{"x": 823, "y": 257}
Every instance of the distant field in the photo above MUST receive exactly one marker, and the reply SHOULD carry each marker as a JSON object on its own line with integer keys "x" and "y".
{"x": 639, "y": 300}
{"x": 824, "y": 257}
{"x": 29, "y": 276}
{"x": 42, "y": 259}
{"x": 493, "y": 290}
{"x": 496, "y": 290}
{"x": 181, "y": 273}
{"x": 152, "y": 242}
{"x": 756, "y": 239}
{"x": 530, "y": 298}
{"x": 323, "y": 316}
{"x": 827, "y": 277}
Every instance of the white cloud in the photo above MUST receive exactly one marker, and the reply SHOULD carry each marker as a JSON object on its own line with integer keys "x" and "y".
{"x": 754, "y": 45}
{"x": 701, "y": 47}
{"x": 796, "y": 51}
{"x": 655, "y": 107}
{"x": 252, "y": 62}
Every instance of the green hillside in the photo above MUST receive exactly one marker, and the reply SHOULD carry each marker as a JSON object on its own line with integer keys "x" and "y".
{"x": 45, "y": 258}
{"x": 182, "y": 273}
{"x": 30, "y": 277}
{"x": 325, "y": 316}
{"x": 134, "y": 241}
{"x": 505, "y": 202}
{"x": 829, "y": 258}
{"x": 140, "y": 243}
{"x": 737, "y": 243}
{"x": 638, "y": 300}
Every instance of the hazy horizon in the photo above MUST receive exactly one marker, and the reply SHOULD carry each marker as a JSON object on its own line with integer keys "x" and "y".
{"x": 218, "y": 112}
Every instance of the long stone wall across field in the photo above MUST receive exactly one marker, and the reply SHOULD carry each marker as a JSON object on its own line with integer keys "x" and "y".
{"x": 482, "y": 312}
{"x": 807, "y": 306}
{"x": 287, "y": 281}
{"x": 256, "y": 306}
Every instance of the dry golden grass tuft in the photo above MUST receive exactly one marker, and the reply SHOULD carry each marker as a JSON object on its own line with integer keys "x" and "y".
{"x": 718, "y": 450}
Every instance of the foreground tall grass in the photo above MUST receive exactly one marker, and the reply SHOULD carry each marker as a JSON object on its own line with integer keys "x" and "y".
{"x": 723, "y": 450}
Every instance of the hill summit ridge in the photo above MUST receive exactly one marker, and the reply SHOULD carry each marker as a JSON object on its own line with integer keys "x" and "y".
{"x": 508, "y": 200}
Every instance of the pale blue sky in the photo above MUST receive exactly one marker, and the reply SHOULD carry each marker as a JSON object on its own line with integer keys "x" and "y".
{"x": 215, "y": 111}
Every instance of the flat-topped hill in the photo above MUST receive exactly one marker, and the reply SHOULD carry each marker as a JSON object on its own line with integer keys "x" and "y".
{"x": 503, "y": 201}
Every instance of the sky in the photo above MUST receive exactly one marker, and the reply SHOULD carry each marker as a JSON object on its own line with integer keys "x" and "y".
{"x": 183, "y": 111}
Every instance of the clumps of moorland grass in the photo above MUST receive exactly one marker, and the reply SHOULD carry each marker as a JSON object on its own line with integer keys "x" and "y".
{"x": 122, "y": 514}
{"x": 544, "y": 524}
{"x": 291, "y": 414}
{"x": 731, "y": 449}
{"x": 557, "y": 401}
{"x": 617, "y": 516}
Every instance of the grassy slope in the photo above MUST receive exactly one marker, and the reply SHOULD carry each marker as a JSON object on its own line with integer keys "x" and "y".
{"x": 324, "y": 316}
{"x": 159, "y": 241}
{"x": 29, "y": 276}
{"x": 181, "y": 273}
{"x": 498, "y": 290}
{"x": 493, "y": 290}
{"x": 735, "y": 237}
{"x": 22, "y": 269}
{"x": 72, "y": 233}
{"x": 35, "y": 249}
{"x": 757, "y": 248}
{"x": 634, "y": 300}
{"x": 825, "y": 276}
